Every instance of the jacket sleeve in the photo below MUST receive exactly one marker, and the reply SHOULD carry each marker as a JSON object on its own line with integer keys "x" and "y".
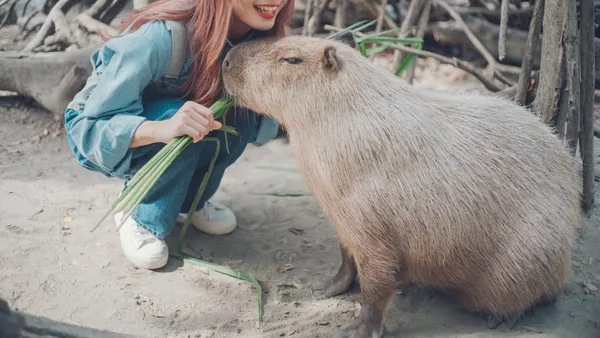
{"x": 266, "y": 131}
{"x": 123, "y": 67}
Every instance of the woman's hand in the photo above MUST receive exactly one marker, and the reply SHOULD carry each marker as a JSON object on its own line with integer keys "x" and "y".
{"x": 192, "y": 119}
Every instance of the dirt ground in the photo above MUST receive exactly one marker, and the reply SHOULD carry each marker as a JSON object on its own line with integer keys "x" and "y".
{"x": 53, "y": 266}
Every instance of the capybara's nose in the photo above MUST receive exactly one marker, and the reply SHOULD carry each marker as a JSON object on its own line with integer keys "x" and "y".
{"x": 226, "y": 64}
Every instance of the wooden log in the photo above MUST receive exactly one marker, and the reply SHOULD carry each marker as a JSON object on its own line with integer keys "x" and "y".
{"x": 20, "y": 324}
{"x": 51, "y": 79}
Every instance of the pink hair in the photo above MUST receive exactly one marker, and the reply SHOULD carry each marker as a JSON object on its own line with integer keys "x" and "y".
{"x": 209, "y": 24}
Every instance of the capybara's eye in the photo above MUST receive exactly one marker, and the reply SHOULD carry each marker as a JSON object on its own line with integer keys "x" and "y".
{"x": 292, "y": 61}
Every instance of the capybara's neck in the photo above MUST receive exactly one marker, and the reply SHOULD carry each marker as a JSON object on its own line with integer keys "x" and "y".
{"x": 355, "y": 101}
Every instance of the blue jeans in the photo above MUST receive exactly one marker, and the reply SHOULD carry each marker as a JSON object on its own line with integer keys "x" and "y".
{"x": 177, "y": 187}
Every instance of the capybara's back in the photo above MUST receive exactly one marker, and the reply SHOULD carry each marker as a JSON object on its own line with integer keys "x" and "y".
{"x": 489, "y": 206}
{"x": 470, "y": 194}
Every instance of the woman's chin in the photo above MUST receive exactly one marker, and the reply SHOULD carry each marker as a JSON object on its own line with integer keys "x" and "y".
{"x": 264, "y": 25}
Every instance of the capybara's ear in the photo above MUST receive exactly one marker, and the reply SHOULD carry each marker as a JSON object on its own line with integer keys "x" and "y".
{"x": 347, "y": 38}
{"x": 330, "y": 59}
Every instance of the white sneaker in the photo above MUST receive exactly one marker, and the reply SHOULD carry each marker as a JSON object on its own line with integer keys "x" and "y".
{"x": 142, "y": 248}
{"x": 213, "y": 219}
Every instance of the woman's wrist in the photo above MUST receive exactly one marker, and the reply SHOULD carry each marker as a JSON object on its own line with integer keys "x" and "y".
{"x": 145, "y": 134}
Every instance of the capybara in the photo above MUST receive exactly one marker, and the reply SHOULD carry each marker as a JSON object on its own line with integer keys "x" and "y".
{"x": 466, "y": 193}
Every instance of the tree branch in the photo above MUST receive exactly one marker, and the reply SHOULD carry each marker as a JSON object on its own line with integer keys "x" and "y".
{"x": 466, "y": 66}
{"x": 571, "y": 101}
{"x": 474, "y": 40}
{"x": 340, "y": 13}
{"x": 503, "y": 29}
{"x": 546, "y": 102}
{"x": 314, "y": 23}
{"x": 307, "y": 13}
{"x": 414, "y": 11}
{"x": 588, "y": 68}
{"x": 379, "y": 24}
{"x": 535, "y": 27}
{"x": 386, "y": 18}
{"x": 423, "y": 20}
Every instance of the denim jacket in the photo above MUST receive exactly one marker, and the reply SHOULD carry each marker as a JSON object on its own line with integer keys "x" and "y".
{"x": 103, "y": 117}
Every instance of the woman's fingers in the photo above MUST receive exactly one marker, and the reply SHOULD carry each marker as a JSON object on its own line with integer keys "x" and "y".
{"x": 200, "y": 110}
{"x": 216, "y": 125}
{"x": 195, "y": 134}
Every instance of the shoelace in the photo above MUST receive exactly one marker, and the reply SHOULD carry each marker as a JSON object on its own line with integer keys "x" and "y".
{"x": 141, "y": 236}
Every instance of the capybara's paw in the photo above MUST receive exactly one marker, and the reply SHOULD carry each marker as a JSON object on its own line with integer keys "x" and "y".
{"x": 495, "y": 321}
{"x": 335, "y": 286}
{"x": 360, "y": 328}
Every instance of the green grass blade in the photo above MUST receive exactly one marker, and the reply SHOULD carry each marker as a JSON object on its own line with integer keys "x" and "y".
{"x": 151, "y": 181}
{"x": 362, "y": 49}
{"x": 216, "y": 267}
{"x": 377, "y": 49}
{"x": 229, "y": 130}
{"x": 363, "y": 27}
{"x": 292, "y": 170}
{"x": 407, "y": 60}
{"x": 389, "y": 31}
{"x": 288, "y": 193}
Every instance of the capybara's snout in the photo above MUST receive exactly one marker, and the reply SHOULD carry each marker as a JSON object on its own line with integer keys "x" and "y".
{"x": 231, "y": 73}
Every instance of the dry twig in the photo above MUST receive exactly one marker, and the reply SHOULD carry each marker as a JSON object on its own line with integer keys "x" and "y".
{"x": 493, "y": 64}
{"x": 423, "y": 20}
{"x": 340, "y": 13}
{"x": 388, "y": 21}
{"x": 314, "y": 23}
{"x": 503, "y": 29}
{"x": 379, "y": 20}
{"x": 307, "y": 13}
{"x": 474, "y": 40}
{"x": 535, "y": 27}
{"x": 460, "y": 64}
{"x": 414, "y": 11}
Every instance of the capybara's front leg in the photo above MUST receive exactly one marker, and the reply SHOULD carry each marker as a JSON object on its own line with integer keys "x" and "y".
{"x": 344, "y": 277}
{"x": 378, "y": 284}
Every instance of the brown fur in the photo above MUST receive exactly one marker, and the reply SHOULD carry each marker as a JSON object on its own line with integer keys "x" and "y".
{"x": 470, "y": 194}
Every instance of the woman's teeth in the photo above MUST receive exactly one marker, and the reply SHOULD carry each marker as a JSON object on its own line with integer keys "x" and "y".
{"x": 264, "y": 9}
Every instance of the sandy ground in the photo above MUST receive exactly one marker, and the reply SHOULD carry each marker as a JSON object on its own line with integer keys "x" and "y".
{"x": 53, "y": 266}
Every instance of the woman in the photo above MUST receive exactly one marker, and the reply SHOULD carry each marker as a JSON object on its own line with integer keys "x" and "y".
{"x": 146, "y": 89}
